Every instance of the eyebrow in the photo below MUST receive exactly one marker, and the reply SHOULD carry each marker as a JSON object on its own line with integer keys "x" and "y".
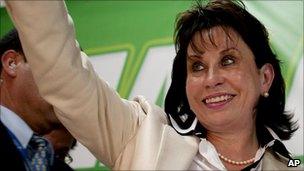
{"x": 229, "y": 49}
{"x": 200, "y": 55}
{"x": 194, "y": 56}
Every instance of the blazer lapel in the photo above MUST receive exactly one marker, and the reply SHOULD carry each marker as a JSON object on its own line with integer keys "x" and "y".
{"x": 177, "y": 152}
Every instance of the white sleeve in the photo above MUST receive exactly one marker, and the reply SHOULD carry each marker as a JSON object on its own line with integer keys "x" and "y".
{"x": 91, "y": 110}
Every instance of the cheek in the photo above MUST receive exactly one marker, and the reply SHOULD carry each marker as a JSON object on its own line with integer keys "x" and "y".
{"x": 189, "y": 86}
{"x": 243, "y": 79}
{"x": 247, "y": 84}
{"x": 193, "y": 88}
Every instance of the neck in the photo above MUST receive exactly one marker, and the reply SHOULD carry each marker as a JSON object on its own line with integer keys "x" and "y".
{"x": 36, "y": 121}
{"x": 239, "y": 145}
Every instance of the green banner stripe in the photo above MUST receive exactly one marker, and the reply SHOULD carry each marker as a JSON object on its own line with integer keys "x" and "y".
{"x": 293, "y": 64}
{"x": 162, "y": 93}
{"x": 132, "y": 69}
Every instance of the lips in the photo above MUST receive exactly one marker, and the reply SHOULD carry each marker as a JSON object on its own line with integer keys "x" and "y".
{"x": 218, "y": 100}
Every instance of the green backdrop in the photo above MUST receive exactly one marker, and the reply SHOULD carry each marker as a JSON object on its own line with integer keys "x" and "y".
{"x": 135, "y": 26}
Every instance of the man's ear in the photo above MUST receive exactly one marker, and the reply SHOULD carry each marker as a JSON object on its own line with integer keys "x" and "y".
{"x": 266, "y": 77}
{"x": 10, "y": 60}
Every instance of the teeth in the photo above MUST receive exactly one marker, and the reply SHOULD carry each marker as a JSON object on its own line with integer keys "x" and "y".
{"x": 218, "y": 99}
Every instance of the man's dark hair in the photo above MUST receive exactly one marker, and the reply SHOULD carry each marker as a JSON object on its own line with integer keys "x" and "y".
{"x": 228, "y": 15}
{"x": 10, "y": 41}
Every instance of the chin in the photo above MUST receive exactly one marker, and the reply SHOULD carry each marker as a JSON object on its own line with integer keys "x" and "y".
{"x": 216, "y": 124}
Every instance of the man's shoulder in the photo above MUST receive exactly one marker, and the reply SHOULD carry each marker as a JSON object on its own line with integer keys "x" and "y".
{"x": 10, "y": 157}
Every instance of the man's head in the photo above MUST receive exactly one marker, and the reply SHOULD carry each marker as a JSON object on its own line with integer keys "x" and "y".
{"x": 19, "y": 91}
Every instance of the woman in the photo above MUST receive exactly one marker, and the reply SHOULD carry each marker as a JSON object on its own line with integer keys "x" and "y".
{"x": 225, "y": 103}
{"x": 226, "y": 76}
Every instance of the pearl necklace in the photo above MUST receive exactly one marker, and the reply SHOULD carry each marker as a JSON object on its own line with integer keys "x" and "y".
{"x": 245, "y": 162}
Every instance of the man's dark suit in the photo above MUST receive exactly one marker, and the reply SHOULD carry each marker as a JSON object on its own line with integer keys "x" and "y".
{"x": 11, "y": 159}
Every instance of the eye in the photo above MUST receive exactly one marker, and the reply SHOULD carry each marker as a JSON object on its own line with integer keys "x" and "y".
{"x": 227, "y": 60}
{"x": 197, "y": 66}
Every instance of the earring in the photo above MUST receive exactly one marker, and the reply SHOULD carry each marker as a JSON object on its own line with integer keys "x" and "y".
{"x": 266, "y": 94}
{"x": 1, "y": 81}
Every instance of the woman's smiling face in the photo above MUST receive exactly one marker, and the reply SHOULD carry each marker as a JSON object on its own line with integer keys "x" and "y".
{"x": 223, "y": 82}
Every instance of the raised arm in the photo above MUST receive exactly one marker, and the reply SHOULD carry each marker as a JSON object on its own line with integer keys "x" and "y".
{"x": 92, "y": 111}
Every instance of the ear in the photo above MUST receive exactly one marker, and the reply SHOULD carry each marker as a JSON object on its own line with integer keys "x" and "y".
{"x": 266, "y": 77}
{"x": 10, "y": 60}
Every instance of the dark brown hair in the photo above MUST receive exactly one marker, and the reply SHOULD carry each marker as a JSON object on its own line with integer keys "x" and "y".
{"x": 10, "y": 41}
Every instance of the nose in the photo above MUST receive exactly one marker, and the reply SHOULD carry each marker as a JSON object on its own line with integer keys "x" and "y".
{"x": 214, "y": 78}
